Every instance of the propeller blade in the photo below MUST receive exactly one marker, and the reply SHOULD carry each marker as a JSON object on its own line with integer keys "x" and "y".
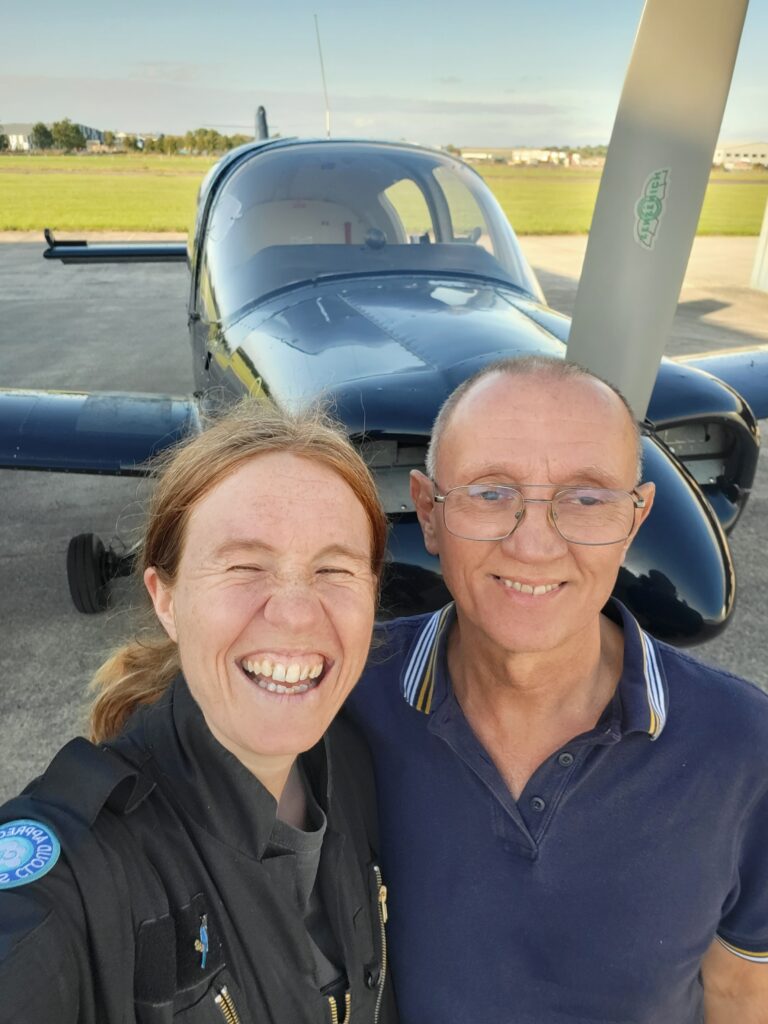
{"x": 652, "y": 189}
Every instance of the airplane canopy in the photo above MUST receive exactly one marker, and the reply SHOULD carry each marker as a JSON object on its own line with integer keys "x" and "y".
{"x": 299, "y": 212}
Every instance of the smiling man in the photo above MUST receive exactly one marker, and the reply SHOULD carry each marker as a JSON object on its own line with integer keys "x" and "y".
{"x": 574, "y": 815}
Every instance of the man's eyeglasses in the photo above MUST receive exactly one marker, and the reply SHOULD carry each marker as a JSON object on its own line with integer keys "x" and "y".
{"x": 581, "y": 515}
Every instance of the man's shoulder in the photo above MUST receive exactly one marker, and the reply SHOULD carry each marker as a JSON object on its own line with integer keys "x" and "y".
{"x": 714, "y": 699}
{"x": 404, "y": 626}
{"x": 393, "y": 641}
{"x": 683, "y": 668}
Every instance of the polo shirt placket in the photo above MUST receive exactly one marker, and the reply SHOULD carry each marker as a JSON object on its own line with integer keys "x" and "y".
{"x": 639, "y": 705}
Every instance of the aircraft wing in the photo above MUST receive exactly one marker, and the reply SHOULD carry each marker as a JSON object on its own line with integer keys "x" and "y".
{"x": 743, "y": 369}
{"x": 73, "y": 250}
{"x": 109, "y": 433}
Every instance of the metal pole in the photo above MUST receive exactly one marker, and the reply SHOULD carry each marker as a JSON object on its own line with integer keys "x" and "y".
{"x": 325, "y": 87}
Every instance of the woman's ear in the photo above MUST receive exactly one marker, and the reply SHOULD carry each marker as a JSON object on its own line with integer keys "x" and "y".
{"x": 162, "y": 599}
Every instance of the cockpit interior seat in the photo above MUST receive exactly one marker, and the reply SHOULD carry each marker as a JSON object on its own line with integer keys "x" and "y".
{"x": 301, "y": 222}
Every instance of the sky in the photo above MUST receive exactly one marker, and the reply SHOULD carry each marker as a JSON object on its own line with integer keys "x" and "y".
{"x": 496, "y": 73}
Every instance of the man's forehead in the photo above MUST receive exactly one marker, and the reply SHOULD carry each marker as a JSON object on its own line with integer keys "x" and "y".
{"x": 528, "y": 389}
{"x": 571, "y": 425}
{"x": 516, "y": 406}
{"x": 540, "y": 464}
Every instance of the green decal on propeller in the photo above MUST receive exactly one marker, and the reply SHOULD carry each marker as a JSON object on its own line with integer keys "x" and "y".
{"x": 649, "y": 208}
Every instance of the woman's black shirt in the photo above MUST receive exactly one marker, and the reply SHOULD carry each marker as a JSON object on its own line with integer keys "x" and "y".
{"x": 171, "y": 902}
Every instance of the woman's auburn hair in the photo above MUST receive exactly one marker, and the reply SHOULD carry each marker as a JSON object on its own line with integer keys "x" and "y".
{"x": 140, "y": 671}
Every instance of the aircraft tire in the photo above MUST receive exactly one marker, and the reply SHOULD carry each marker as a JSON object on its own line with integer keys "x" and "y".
{"x": 87, "y": 573}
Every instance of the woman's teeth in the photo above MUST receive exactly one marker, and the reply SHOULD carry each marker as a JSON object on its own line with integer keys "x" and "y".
{"x": 270, "y": 675}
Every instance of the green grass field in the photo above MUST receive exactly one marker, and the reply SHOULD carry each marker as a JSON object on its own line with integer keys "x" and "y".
{"x": 135, "y": 192}
{"x": 549, "y": 201}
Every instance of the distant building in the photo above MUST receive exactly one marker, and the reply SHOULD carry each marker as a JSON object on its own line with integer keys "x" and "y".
{"x": 741, "y": 154}
{"x": 19, "y": 135}
{"x": 543, "y": 156}
{"x": 474, "y": 156}
{"x": 524, "y": 155}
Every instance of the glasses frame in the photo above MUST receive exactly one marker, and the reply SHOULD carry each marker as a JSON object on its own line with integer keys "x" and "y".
{"x": 637, "y": 500}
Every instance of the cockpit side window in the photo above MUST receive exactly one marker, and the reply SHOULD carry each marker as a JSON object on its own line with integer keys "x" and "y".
{"x": 468, "y": 223}
{"x": 406, "y": 204}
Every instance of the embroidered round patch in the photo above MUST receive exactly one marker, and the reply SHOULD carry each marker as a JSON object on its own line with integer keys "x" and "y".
{"x": 28, "y": 850}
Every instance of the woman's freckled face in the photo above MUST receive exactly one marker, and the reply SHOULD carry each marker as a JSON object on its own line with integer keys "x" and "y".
{"x": 275, "y": 566}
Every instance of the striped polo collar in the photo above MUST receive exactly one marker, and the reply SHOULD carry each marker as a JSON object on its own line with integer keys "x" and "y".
{"x": 642, "y": 688}
{"x": 643, "y": 685}
{"x": 426, "y": 663}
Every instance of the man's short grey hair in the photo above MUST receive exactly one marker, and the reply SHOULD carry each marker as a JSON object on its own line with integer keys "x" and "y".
{"x": 545, "y": 367}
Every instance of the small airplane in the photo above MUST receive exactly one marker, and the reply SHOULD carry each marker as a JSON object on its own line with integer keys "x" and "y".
{"x": 377, "y": 276}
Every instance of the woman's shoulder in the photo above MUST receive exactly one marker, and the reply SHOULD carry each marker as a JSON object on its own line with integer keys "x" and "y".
{"x": 48, "y": 834}
{"x": 350, "y": 757}
{"x": 67, "y": 885}
{"x": 55, "y": 837}
{"x": 83, "y": 779}
{"x": 352, "y": 778}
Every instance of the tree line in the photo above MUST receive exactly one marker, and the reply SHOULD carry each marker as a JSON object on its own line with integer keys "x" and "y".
{"x": 199, "y": 141}
{"x": 66, "y": 136}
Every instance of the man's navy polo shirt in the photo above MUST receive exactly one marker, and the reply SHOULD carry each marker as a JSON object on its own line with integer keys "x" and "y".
{"x": 593, "y": 897}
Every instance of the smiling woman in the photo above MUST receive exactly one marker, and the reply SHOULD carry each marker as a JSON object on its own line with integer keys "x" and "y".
{"x": 215, "y": 857}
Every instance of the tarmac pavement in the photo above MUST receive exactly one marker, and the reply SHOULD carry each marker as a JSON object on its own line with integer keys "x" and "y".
{"x": 124, "y": 328}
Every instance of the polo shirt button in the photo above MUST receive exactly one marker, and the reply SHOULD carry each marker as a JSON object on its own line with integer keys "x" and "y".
{"x": 565, "y": 759}
{"x": 537, "y": 804}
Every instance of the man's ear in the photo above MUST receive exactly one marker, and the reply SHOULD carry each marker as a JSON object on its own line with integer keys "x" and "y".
{"x": 647, "y": 492}
{"x": 422, "y": 495}
{"x": 162, "y": 599}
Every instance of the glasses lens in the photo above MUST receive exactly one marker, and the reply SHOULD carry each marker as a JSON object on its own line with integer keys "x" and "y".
{"x": 593, "y": 515}
{"x": 482, "y": 511}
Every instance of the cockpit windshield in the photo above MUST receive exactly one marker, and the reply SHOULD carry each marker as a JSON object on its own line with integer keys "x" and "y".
{"x": 299, "y": 213}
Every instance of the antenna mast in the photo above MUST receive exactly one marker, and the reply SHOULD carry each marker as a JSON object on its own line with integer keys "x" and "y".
{"x": 325, "y": 87}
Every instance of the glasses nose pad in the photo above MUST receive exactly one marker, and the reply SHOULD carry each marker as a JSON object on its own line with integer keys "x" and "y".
{"x": 519, "y": 514}
{"x": 552, "y": 511}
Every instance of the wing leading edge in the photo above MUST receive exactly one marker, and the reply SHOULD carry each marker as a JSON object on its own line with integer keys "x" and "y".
{"x": 108, "y": 433}
{"x": 745, "y": 370}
